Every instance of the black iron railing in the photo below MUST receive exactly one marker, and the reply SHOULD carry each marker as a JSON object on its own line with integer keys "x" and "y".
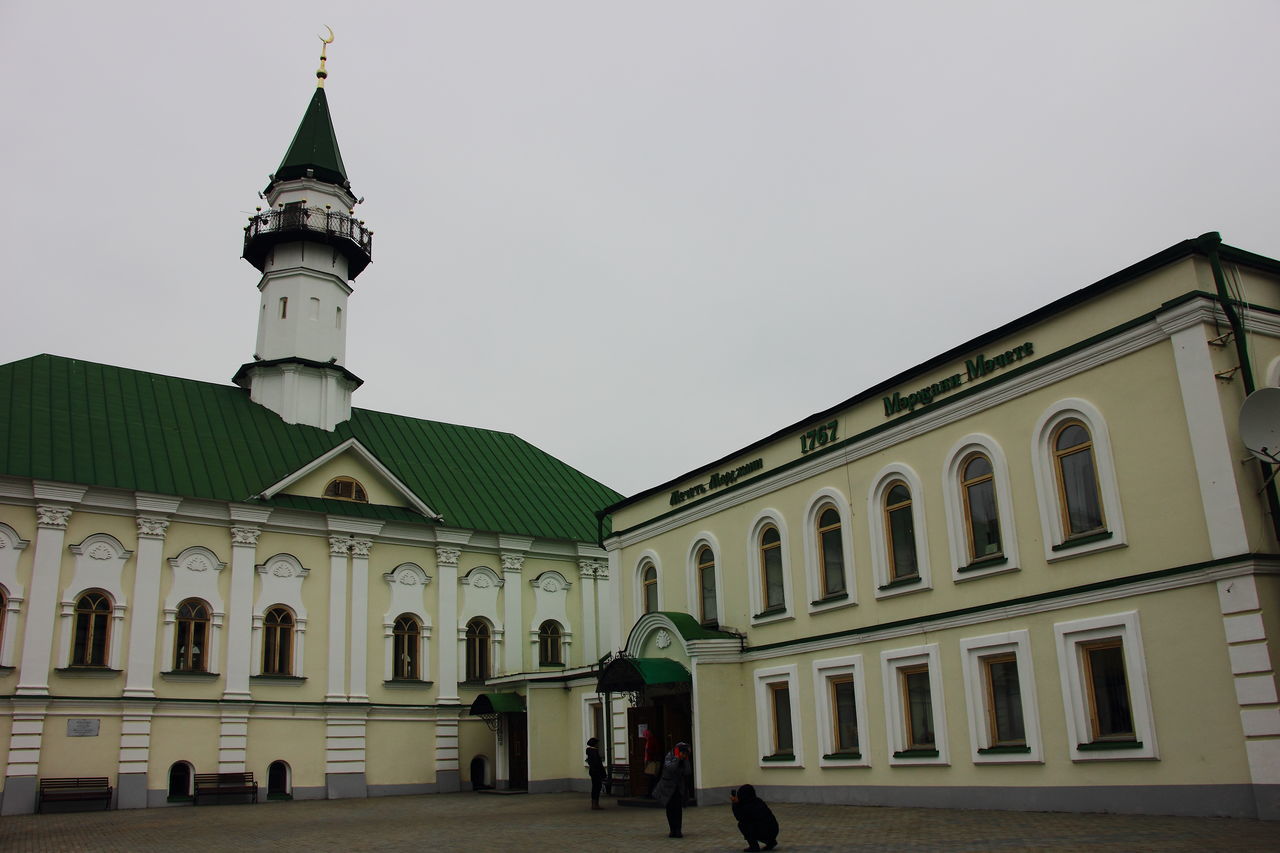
{"x": 314, "y": 220}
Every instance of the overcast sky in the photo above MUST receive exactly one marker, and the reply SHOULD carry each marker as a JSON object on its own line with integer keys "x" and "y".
{"x": 639, "y": 235}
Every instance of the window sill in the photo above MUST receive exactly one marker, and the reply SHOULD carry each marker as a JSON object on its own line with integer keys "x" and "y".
{"x": 89, "y": 672}
{"x": 901, "y": 582}
{"x": 1087, "y": 539}
{"x": 407, "y": 684}
{"x": 987, "y": 563}
{"x": 278, "y": 679}
{"x": 550, "y": 666}
{"x": 843, "y": 756}
{"x": 1005, "y": 750}
{"x": 830, "y": 599}
{"x": 776, "y": 610}
{"x": 773, "y": 614}
{"x": 1106, "y": 745}
{"x": 916, "y": 753}
{"x": 5, "y": 670}
{"x": 779, "y": 756}
{"x": 189, "y": 676}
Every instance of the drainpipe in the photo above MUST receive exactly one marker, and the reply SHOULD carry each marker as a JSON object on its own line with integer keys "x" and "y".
{"x": 1209, "y": 244}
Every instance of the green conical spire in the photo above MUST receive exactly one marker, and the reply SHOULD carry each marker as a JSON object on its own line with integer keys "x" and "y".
{"x": 315, "y": 147}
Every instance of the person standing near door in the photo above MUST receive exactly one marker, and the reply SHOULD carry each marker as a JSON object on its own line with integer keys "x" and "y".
{"x": 674, "y": 786}
{"x": 595, "y": 766}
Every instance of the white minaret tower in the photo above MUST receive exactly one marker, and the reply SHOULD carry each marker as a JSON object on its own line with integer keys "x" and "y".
{"x": 308, "y": 245}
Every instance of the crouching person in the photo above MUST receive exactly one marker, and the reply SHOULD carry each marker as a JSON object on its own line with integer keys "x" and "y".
{"x": 755, "y": 819}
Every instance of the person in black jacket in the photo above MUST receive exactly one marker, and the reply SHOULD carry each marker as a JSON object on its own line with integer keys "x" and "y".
{"x": 755, "y": 819}
{"x": 674, "y": 787}
{"x": 595, "y": 766}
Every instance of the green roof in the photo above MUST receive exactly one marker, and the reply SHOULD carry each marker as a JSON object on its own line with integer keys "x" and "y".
{"x": 314, "y": 146}
{"x": 628, "y": 673}
{"x": 79, "y": 422}
{"x": 691, "y": 629}
{"x": 497, "y": 703}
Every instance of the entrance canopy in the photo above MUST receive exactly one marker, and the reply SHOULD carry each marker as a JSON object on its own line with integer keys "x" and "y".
{"x": 497, "y": 703}
{"x": 625, "y": 674}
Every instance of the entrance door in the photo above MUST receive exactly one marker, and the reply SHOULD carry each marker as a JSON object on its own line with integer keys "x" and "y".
{"x": 517, "y": 751}
{"x": 636, "y": 717}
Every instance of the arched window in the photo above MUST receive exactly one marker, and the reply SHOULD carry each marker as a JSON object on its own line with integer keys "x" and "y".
{"x": 705, "y": 564}
{"x": 830, "y": 552}
{"x": 180, "y": 781}
{"x": 346, "y": 489}
{"x": 478, "y": 650}
{"x": 278, "y": 784}
{"x": 407, "y": 642}
{"x": 900, "y": 532}
{"x": 649, "y": 587}
{"x": 550, "y": 644}
{"x": 92, "y": 630}
{"x": 1076, "y": 471}
{"x": 190, "y": 648}
{"x": 277, "y": 642}
{"x": 771, "y": 568}
{"x": 981, "y": 512}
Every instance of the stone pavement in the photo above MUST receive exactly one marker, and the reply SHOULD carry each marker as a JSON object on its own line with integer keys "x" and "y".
{"x": 561, "y": 822}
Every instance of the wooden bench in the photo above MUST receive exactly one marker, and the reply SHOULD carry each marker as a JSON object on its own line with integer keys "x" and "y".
{"x": 74, "y": 788}
{"x": 220, "y": 784}
{"x": 619, "y": 780}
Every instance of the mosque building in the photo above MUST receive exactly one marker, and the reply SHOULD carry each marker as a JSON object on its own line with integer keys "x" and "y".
{"x": 1040, "y": 570}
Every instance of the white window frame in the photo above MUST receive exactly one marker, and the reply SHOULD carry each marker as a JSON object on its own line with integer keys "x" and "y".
{"x": 649, "y": 556}
{"x": 823, "y": 671}
{"x": 590, "y": 701}
{"x": 755, "y": 570}
{"x": 953, "y": 494}
{"x": 1069, "y": 637}
{"x": 813, "y": 550}
{"x": 972, "y": 651}
{"x": 1056, "y": 546}
{"x": 764, "y": 678}
{"x": 695, "y": 583}
{"x": 410, "y": 603}
{"x": 891, "y": 664}
{"x": 879, "y": 535}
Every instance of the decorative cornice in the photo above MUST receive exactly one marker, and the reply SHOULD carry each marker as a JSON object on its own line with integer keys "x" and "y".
{"x": 447, "y": 556}
{"x": 245, "y": 536}
{"x": 150, "y": 527}
{"x": 52, "y": 517}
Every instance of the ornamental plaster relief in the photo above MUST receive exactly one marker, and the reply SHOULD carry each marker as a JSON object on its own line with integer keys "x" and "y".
{"x": 280, "y": 582}
{"x": 408, "y": 585}
{"x": 480, "y": 588}
{"x": 195, "y": 575}
{"x": 99, "y": 564}
{"x": 550, "y": 602}
{"x": 11, "y": 547}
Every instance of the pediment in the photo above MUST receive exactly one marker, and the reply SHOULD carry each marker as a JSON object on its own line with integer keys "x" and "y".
{"x": 350, "y": 460}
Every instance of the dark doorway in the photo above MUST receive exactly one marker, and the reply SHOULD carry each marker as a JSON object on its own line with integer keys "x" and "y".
{"x": 478, "y": 780}
{"x": 517, "y": 751}
{"x": 669, "y": 716}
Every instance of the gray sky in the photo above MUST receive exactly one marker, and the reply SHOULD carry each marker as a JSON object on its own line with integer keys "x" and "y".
{"x": 639, "y": 235}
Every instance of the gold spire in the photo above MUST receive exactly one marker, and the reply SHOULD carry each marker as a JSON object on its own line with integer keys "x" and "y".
{"x": 320, "y": 72}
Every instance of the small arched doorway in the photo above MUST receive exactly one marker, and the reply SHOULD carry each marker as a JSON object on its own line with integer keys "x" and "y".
{"x": 480, "y": 780}
{"x": 180, "y": 782}
{"x": 279, "y": 785}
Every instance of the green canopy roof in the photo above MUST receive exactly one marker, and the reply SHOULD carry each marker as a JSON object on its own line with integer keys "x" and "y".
{"x": 315, "y": 147}
{"x": 625, "y": 673}
{"x": 79, "y": 422}
{"x": 497, "y": 703}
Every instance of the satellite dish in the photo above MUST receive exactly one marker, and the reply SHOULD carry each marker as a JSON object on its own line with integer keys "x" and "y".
{"x": 1260, "y": 424}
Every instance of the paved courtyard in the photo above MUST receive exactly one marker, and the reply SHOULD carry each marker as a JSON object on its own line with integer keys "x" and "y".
{"x": 561, "y": 822}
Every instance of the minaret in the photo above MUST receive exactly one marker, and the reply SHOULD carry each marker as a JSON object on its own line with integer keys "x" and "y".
{"x": 308, "y": 245}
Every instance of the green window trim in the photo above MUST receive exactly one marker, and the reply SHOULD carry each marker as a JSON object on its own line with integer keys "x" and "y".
{"x": 780, "y": 756}
{"x": 842, "y": 756}
{"x": 1005, "y": 750}
{"x": 906, "y": 580}
{"x": 985, "y": 563}
{"x": 827, "y": 599}
{"x": 284, "y": 679}
{"x": 1088, "y": 539}
{"x": 1104, "y": 745}
{"x": 916, "y": 753}
{"x": 771, "y": 611}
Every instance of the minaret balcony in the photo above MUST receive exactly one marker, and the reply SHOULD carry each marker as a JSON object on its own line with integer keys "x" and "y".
{"x": 294, "y": 222}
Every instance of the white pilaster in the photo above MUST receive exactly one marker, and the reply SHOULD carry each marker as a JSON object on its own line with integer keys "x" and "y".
{"x": 588, "y": 571}
{"x": 513, "y": 605}
{"x": 42, "y": 610}
{"x": 140, "y": 671}
{"x": 1210, "y": 448}
{"x": 233, "y": 739}
{"x": 359, "y": 689}
{"x": 240, "y": 633}
{"x": 339, "y": 548}
{"x": 447, "y": 682}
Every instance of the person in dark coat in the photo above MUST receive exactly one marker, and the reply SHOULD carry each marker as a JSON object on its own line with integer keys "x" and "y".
{"x": 595, "y": 766}
{"x": 674, "y": 786}
{"x": 755, "y": 819}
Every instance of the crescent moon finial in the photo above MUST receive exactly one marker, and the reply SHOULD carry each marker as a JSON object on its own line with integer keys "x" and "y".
{"x": 321, "y": 74}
